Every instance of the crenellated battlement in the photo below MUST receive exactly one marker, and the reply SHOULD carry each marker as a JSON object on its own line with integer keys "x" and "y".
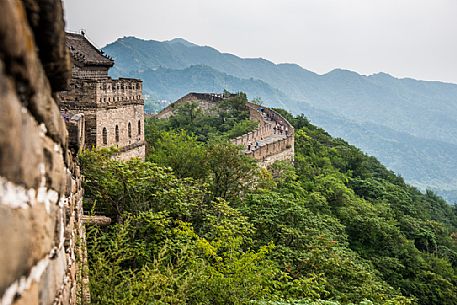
{"x": 271, "y": 141}
{"x": 103, "y": 93}
{"x": 113, "y": 108}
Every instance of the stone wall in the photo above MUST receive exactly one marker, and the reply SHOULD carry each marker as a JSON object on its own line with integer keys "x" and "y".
{"x": 93, "y": 73}
{"x": 265, "y": 128}
{"x": 110, "y": 91}
{"x": 113, "y": 129}
{"x": 41, "y": 233}
{"x": 206, "y": 102}
{"x": 109, "y": 107}
{"x": 280, "y": 148}
{"x": 130, "y": 152}
{"x": 267, "y": 154}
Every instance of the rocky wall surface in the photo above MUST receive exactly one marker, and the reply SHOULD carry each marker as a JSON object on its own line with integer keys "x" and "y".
{"x": 42, "y": 238}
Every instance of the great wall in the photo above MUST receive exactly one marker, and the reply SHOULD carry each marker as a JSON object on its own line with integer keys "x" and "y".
{"x": 55, "y": 101}
{"x": 272, "y": 140}
{"x": 42, "y": 238}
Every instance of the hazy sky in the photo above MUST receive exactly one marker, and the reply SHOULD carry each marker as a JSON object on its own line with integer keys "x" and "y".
{"x": 406, "y": 38}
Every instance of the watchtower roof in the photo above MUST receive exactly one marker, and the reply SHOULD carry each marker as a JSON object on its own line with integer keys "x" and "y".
{"x": 84, "y": 52}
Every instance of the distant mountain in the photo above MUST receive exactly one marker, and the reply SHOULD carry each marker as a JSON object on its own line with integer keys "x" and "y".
{"x": 409, "y": 125}
{"x": 170, "y": 84}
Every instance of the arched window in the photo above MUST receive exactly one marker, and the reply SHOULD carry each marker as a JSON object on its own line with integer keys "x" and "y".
{"x": 129, "y": 130}
{"x": 105, "y": 136}
{"x": 139, "y": 127}
{"x": 117, "y": 133}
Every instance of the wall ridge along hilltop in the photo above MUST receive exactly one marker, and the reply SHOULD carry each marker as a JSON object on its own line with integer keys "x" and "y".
{"x": 272, "y": 140}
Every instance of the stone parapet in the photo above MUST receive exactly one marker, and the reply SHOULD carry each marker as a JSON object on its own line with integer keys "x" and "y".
{"x": 280, "y": 149}
{"x": 263, "y": 143}
{"x": 42, "y": 238}
{"x": 102, "y": 93}
{"x": 118, "y": 92}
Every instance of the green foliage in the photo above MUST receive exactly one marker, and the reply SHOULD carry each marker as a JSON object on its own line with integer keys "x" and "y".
{"x": 153, "y": 259}
{"x": 231, "y": 171}
{"x": 334, "y": 228}
{"x": 182, "y": 152}
{"x": 134, "y": 186}
{"x": 229, "y": 118}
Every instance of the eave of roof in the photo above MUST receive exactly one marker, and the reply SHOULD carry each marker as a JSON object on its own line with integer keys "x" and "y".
{"x": 83, "y": 51}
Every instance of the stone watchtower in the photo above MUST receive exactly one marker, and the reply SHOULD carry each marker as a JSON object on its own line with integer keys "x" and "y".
{"x": 113, "y": 108}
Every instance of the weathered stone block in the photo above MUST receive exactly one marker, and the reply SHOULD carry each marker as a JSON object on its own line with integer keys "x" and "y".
{"x": 52, "y": 279}
{"x": 10, "y": 130}
{"x": 31, "y": 85}
{"x": 29, "y": 297}
{"x": 46, "y": 20}
{"x": 16, "y": 231}
{"x": 54, "y": 165}
{"x": 43, "y": 234}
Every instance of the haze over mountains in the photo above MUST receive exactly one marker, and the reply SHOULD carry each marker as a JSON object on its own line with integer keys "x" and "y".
{"x": 409, "y": 125}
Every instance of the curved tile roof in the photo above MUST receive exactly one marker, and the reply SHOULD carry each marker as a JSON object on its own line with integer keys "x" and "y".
{"x": 84, "y": 52}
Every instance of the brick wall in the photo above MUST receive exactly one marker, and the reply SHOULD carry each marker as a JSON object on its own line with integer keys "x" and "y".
{"x": 41, "y": 233}
{"x": 111, "y": 91}
{"x": 94, "y": 73}
{"x": 106, "y": 104}
{"x": 267, "y": 154}
{"x": 116, "y": 123}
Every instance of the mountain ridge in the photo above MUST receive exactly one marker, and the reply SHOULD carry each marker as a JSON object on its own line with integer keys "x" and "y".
{"x": 331, "y": 100}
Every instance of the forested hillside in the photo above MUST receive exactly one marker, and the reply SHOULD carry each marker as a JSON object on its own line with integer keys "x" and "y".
{"x": 364, "y": 110}
{"x": 199, "y": 223}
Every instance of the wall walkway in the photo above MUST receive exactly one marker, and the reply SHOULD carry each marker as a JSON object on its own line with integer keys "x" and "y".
{"x": 272, "y": 141}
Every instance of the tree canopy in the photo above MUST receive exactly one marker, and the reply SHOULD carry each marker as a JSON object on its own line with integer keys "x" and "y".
{"x": 199, "y": 223}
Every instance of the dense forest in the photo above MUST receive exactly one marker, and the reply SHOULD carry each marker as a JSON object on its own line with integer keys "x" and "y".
{"x": 199, "y": 222}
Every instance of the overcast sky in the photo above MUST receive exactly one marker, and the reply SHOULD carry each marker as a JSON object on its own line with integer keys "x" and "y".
{"x": 406, "y": 38}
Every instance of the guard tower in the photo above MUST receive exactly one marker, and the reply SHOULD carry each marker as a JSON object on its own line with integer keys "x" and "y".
{"x": 113, "y": 108}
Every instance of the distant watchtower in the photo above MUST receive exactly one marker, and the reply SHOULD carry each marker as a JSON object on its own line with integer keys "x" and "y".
{"x": 113, "y": 109}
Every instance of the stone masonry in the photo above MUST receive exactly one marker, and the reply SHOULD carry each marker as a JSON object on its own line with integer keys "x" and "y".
{"x": 272, "y": 145}
{"x": 113, "y": 109}
{"x": 42, "y": 238}
{"x": 205, "y": 101}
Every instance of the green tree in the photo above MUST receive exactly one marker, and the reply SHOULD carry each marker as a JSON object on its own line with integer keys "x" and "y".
{"x": 182, "y": 152}
{"x": 232, "y": 173}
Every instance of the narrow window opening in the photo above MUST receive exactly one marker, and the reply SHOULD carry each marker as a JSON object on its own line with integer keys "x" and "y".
{"x": 105, "y": 136}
